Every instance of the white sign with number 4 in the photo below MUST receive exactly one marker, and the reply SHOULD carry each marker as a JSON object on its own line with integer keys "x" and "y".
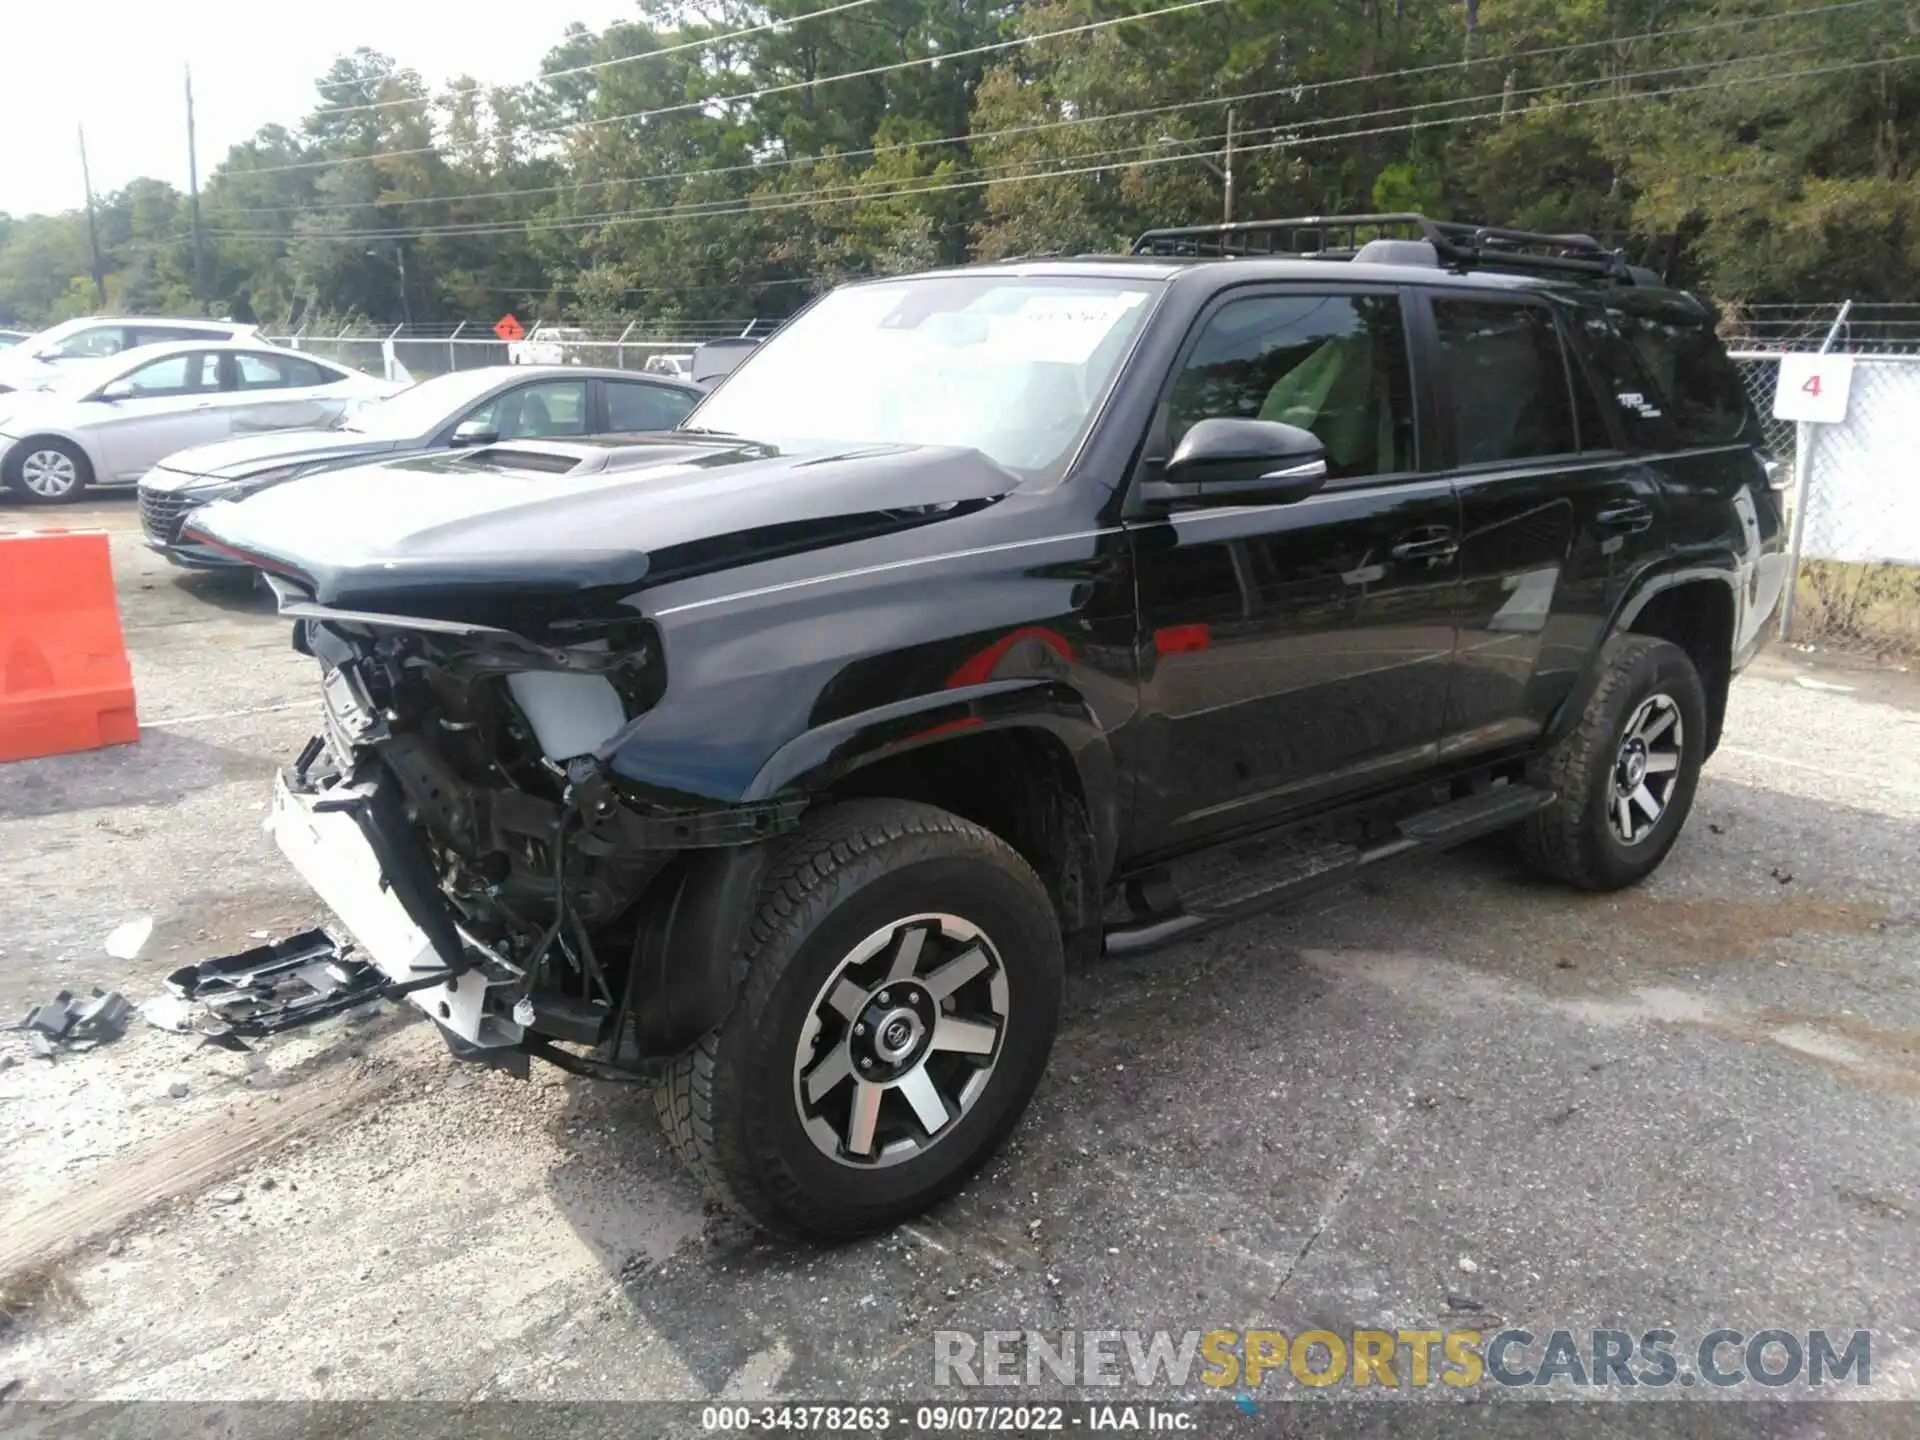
{"x": 1813, "y": 388}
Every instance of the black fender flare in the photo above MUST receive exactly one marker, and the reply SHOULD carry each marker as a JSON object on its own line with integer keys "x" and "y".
{"x": 815, "y": 759}
{"x": 689, "y": 955}
{"x": 1688, "y": 570}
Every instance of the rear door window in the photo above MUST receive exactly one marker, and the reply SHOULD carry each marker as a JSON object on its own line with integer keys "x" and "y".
{"x": 262, "y": 372}
{"x": 1504, "y": 374}
{"x": 635, "y": 405}
{"x": 1673, "y": 382}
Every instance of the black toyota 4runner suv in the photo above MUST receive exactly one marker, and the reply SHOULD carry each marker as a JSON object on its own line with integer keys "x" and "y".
{"x": 996, "y": 616}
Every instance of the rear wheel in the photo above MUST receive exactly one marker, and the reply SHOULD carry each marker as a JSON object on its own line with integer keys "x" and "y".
{"x": 902, "y": 990}
{"x": 1625, "y": 775}
{"x": 48, "y": 471}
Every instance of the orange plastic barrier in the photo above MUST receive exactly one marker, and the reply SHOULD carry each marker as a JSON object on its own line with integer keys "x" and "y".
{"x": 64, "y": 680}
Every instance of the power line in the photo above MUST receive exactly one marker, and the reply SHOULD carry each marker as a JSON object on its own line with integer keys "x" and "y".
{"x": 763, "y": 92}
{"x": 857, "y": 190}
{"x": 1299, "y": 89}
{"x": 790, "y": 21}
{"x": 1292, "y": 141}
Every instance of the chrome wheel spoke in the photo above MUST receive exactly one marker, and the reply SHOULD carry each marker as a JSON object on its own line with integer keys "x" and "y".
{"x": 1662, "y": 763}
{"x": 864, "y": 1116}
{"x": 955, "y": 973}
{"x": 906, "y": 954}
{"x": 828, "y": 1073}
{"x": 1623, "y": 817}
{"x": 847, "y": 999}
{"x": 966, "y": 1037}
{"x": 924, "y": 1096}
{"x": 1649, "y": 806}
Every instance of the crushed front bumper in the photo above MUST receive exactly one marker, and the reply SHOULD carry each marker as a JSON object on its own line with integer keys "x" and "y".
{"x": 325, "y": 837}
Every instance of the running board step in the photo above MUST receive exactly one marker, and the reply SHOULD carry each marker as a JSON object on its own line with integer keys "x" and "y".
{"x": 1480, "y": 814}
{"x": 1256, "y": 886}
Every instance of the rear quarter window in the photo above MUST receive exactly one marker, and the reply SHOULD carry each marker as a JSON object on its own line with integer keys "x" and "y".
{"x": 1669, "y": 377}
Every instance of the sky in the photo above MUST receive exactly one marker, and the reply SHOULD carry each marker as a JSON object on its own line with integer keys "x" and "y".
{"x": 116, "y": 67}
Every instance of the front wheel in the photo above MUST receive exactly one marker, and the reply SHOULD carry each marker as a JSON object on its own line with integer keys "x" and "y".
{"x": 1625, "y": 775}
{"x": 902, "y": 991}
{"x": 48, "y": 471}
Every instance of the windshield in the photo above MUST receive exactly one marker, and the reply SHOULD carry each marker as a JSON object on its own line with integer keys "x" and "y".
{"x": 421, "y": 408}
{"x": 1008, "y": 365}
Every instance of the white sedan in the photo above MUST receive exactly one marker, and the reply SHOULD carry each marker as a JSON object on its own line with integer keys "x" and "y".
{"x": 111, "y": 422}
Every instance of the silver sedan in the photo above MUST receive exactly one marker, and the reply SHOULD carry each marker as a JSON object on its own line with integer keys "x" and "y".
{"x": 111, "y": 422}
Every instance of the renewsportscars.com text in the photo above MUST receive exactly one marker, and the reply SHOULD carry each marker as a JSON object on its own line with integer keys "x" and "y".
{"x": 1771, "y": 1357}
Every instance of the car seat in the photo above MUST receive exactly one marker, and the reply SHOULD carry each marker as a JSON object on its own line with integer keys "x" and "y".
{"x": 535, "y": 419}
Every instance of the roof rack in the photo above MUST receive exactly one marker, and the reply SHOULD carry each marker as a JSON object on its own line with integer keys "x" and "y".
{"x": 1399, "y": 238}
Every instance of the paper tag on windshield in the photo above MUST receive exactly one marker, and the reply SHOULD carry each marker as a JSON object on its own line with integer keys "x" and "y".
{"x": 1065, "y": 328}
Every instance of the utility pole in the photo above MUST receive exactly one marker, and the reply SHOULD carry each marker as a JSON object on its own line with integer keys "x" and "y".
{"x": 406, "y": 309}
{"x": 193, "y": 193}
{"x": 93, "y": 233}
{"x": 1226, "y": 171}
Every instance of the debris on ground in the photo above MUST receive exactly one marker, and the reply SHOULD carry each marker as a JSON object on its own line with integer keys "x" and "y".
{"x": 128, "y": 940}
{"x": 77, "y": 1023}
{"x": 167, "y": 1011}
{"x": 274, "y": 987}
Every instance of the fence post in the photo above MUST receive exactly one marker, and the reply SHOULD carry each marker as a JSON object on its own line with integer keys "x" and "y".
{"x": 453, "y": 364}
{"x": 1804, "y": 433}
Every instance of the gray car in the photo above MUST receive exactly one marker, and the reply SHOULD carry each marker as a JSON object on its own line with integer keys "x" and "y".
{"x": 468, "y": 408}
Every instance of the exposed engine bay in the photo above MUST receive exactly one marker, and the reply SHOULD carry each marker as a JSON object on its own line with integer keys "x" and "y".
{"x": 459, "y": 815}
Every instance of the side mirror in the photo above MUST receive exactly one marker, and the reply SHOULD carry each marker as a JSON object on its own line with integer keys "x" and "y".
{"x": 474, "y": 432}
{"x": 118, "y": 390}
{"x": 1241, "y": 462}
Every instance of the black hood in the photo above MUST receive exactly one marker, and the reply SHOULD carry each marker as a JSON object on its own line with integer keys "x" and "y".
{"x": 440, "y": 535}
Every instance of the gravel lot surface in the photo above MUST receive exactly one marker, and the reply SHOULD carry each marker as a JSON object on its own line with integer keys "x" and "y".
{"x": 1450, "y": 1096}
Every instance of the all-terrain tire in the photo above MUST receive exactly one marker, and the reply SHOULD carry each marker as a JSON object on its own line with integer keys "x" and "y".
{"x": 1575, "y": 839}
{"x": 730, "y": 1105}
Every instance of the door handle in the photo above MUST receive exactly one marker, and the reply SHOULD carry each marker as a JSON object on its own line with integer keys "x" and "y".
{"x": 1632, "y": 515}
{"x": 1433, "y": 544}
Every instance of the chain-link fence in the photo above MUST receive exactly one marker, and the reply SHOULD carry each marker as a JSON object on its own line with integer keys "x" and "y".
{"x": 1858, "y": 570}
{"x": 409, "y": 353}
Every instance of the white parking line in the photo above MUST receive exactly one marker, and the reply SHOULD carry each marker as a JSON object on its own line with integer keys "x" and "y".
{"x": 227, "y": 715}
{"x": 1875, "y": 781}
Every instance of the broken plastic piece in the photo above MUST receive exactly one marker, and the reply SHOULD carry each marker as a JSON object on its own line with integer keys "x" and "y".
{"x": 64, "y": 1020}
{"x": 128, "y": 940}
{"x": 278, "y": 986}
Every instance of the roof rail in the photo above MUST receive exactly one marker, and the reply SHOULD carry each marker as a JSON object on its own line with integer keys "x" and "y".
{"x": 1456, "y": 244}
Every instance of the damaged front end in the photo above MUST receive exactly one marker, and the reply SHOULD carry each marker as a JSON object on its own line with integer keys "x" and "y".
{"x": 459, "y": 815}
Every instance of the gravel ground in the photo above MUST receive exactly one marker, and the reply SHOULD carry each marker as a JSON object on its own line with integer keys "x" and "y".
{"x": 1447, "y": 1096}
